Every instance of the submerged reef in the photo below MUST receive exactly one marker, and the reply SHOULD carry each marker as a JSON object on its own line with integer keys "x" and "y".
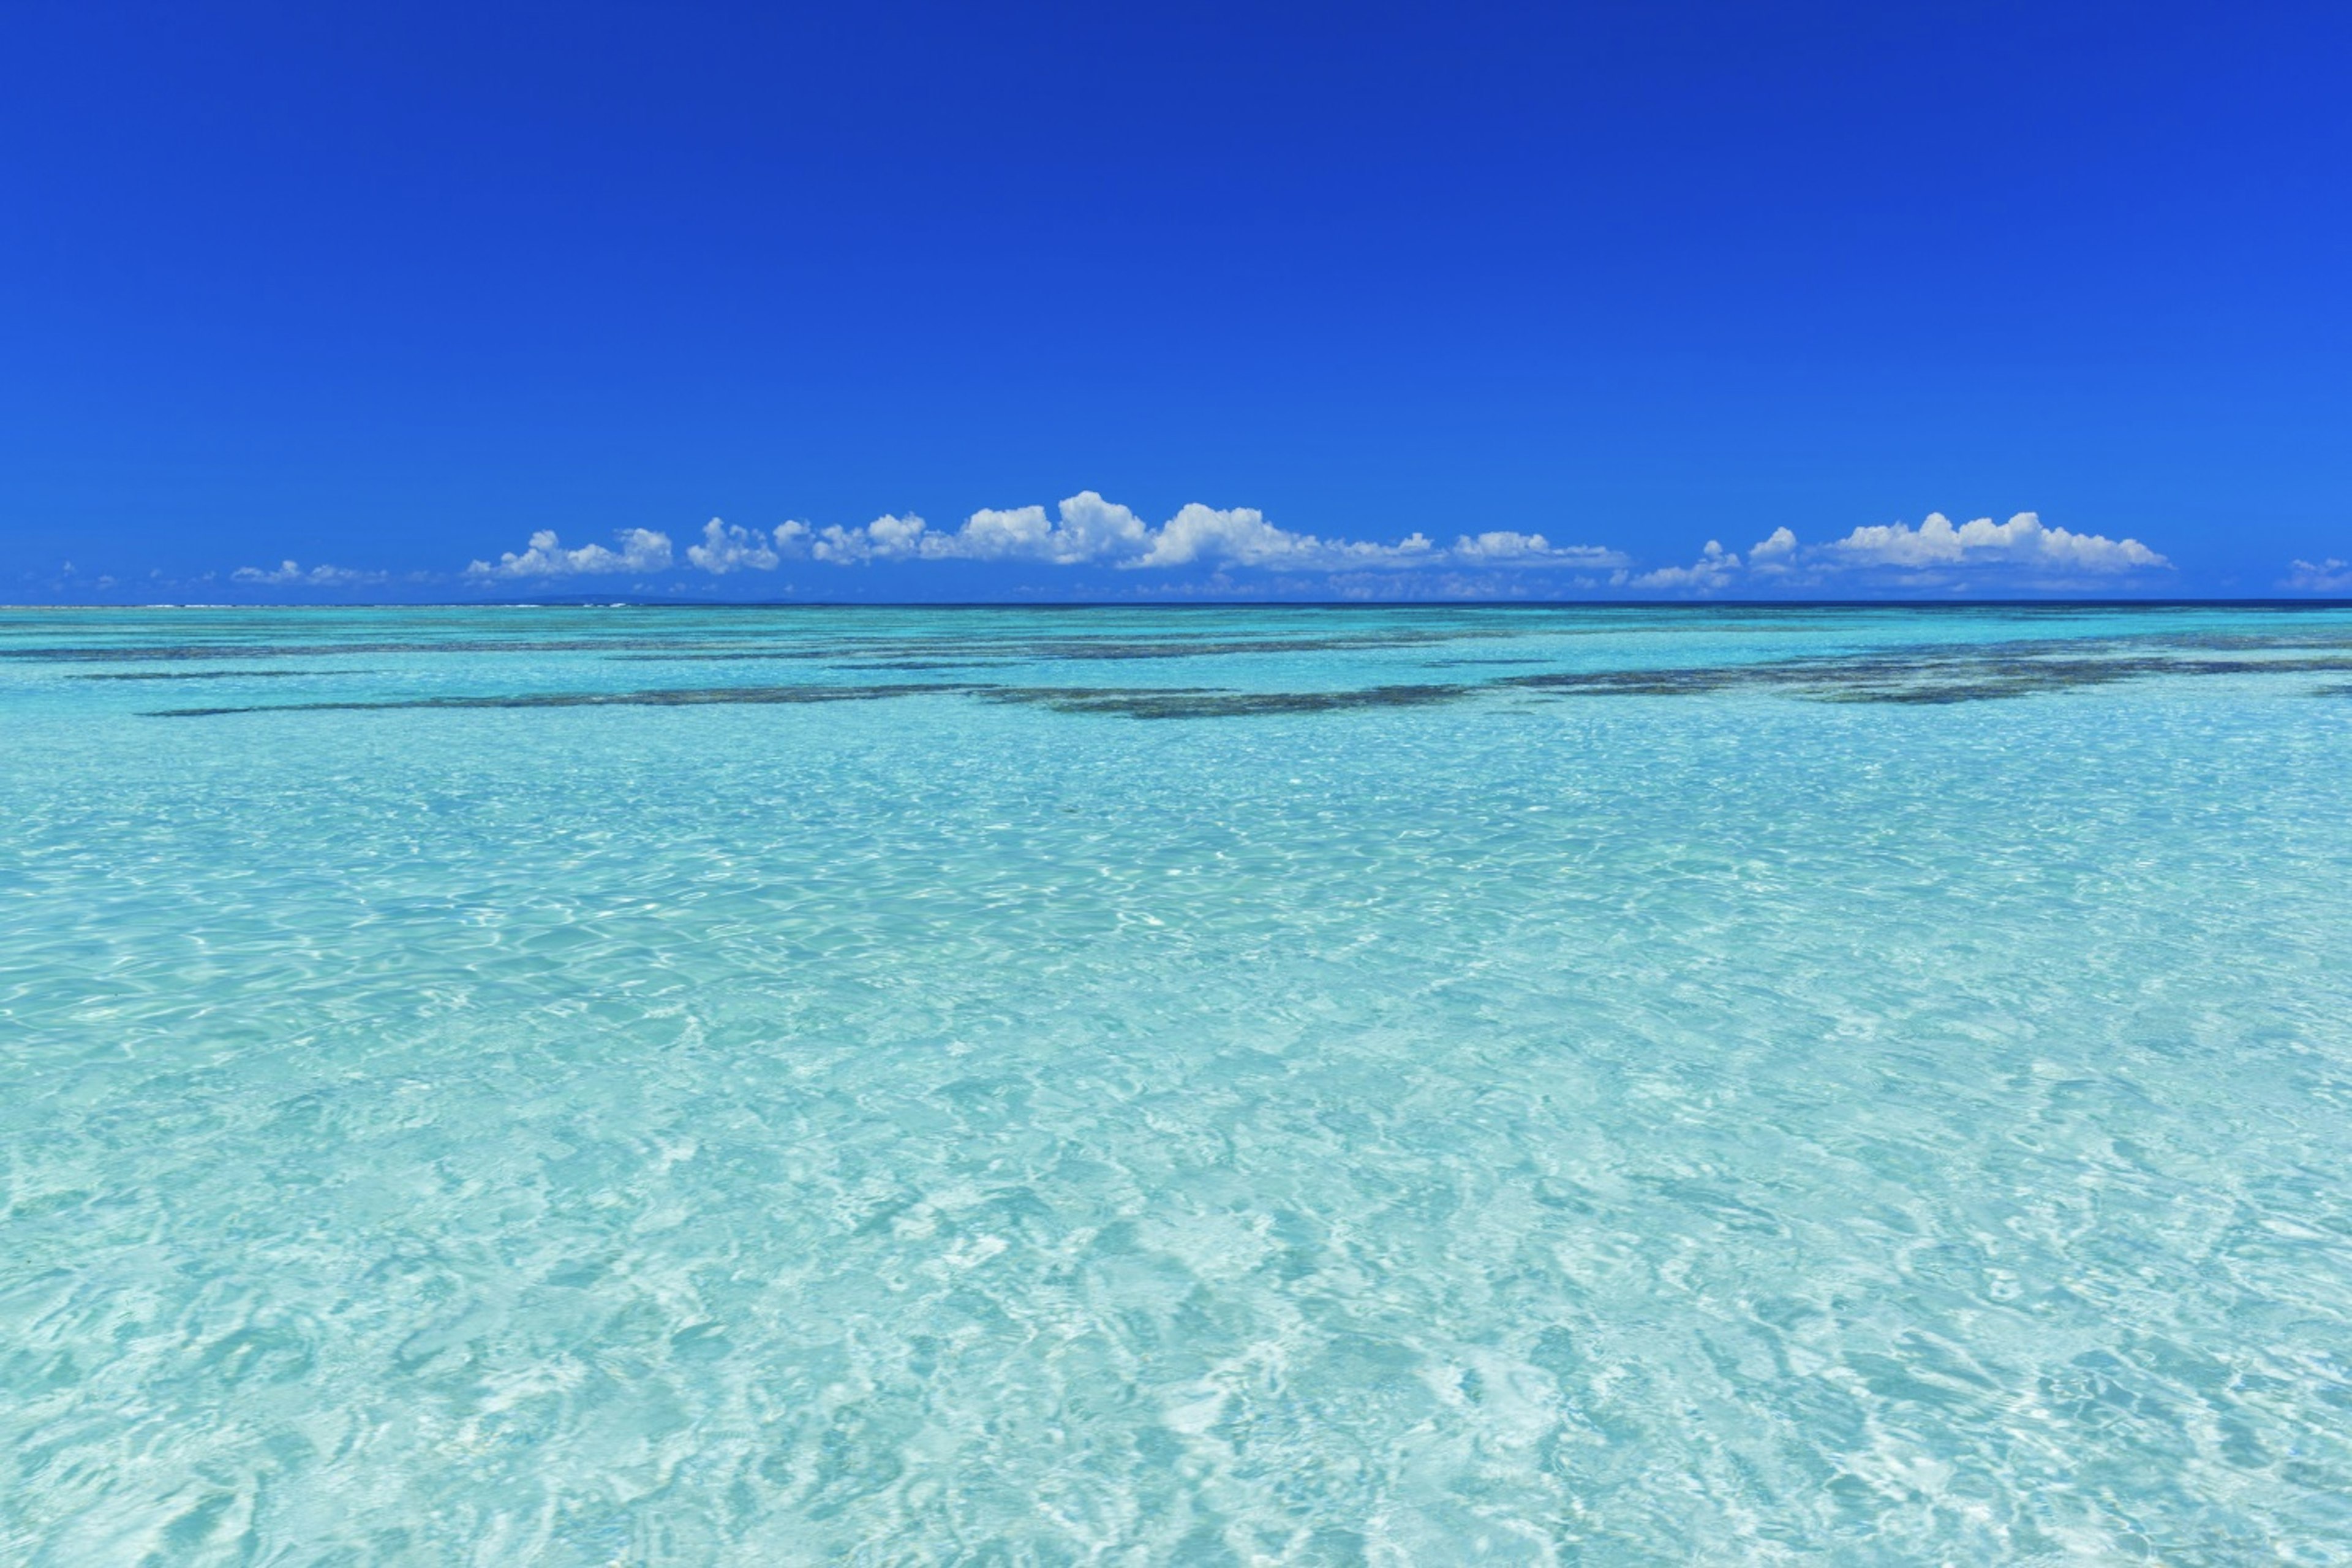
{"x": 1924, "y": 674}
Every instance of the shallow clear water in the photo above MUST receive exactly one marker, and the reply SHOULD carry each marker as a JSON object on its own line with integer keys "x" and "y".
{"x": 1406, "y": 1086}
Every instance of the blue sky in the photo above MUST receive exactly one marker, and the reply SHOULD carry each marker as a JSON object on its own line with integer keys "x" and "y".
{"x": 1398, "y": 302}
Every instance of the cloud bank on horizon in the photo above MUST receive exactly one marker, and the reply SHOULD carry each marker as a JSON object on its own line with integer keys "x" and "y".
{"x": 641, "y": 550}
{"x": 1204, "y": 550}
{"x": 2330, "y": 576}
{"x": 2023, "y": 550}
{"x": 1088, "y": 530}
{"x": 288, "y": 573}
{"x": 1085, "y": 529}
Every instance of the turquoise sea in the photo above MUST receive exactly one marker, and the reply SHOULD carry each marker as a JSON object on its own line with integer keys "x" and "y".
{"x": 1607, "y": 1086}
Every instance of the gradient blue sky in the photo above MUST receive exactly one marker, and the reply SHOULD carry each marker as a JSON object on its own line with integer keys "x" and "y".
{"x": 1565, "y": 293}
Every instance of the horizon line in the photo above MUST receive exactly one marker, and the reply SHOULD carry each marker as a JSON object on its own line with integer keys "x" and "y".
{"x": 590, "y": 601}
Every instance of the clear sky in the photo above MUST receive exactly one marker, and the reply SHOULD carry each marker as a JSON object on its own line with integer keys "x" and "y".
{"x": 1302, "y": 300}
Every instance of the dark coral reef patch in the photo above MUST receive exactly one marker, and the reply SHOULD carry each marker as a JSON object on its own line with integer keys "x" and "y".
{"x": 1209, "y": 703}
{"x": 1921, "y": 675}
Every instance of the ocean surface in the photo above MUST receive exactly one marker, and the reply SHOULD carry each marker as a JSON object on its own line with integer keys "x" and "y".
{"x": 1605, "y": 1086}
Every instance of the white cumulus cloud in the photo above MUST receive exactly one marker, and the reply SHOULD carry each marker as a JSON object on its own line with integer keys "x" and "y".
{"x": 2022, "y": 541}
{"x": 1082, "y": 530}
{"x": 2328, "y": 576}
{"x": 886, "y": 538}
{"x": 727, "y": 547}
{"x": 1503, "y": 547}
{"x": 1242, "y": 537}
{"x": 288, "y": 573}
{"x": 2021, "y": 551}
{"x": 1021, "y": 532}
{"x": 1087, "y": 529}
{"x": 1715, "y": 569}
{"x": 1773, "y": 553}
{"x": 641, "y": 550}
